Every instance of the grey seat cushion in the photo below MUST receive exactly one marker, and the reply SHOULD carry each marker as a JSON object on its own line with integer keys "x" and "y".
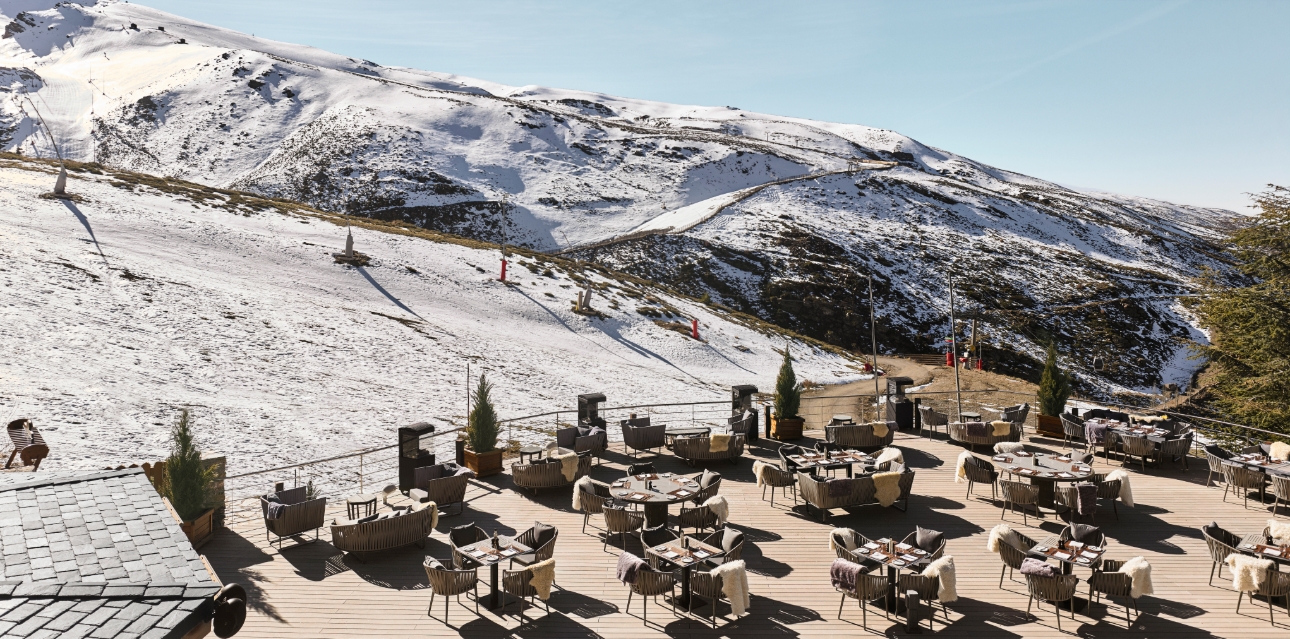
{"x": 542, "y": 533}
{"x": 463, "y": 535}
{"x": 927, "y": 539}
{"x": 730, "y": 539}
{"x": 1086, "y": 534}
{"x": 707, "y": 478}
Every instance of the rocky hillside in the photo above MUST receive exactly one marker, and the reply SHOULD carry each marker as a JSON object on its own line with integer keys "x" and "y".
{"x": 783, "y": 218}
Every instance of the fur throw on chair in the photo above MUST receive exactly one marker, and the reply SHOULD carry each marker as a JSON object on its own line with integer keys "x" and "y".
{"x": 879, "y": 429}
{"x": 890, "y": 454}
{"x": 1139, "y": 571}
{"x": 759, "y": 470}
{"x": 434, "y": 512}
{"x": 1126, "y": 491}
{"x": 848, "y": 537}
{"x": 543, "y": 577}
{"x": 1002, "y": 533}
{"x": 719, "y": 507}
{"x": 568, "y": 465}
{"x": 577, "y": 491}
{"x": 1009, "y": 448}
{"x": 1001, "y": 428}
{"x": 886, "y": 488}
{"x": 734, "y": 584}
{"x": 943, "y": 570}
{"x": 1279, "y": 531}
{"x": 960, "y": 474}
{"x": 1248, "y": 572}
{"x": 719, "y": 442}
{"x": 1280, "y": 450}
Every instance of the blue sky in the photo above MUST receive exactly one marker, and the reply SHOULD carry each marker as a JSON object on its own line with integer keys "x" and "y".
{"x": 1183, "y": 101}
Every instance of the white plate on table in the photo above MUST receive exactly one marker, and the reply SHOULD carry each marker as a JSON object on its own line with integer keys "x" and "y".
{"x": 670, "y": 555}
{"x": 702, "y": 554}
{"x": 871, "y": 546}
{"x": 1272, "y": 551}
{"x": 1081, "y": 560}
{"x": 509, "y": 552}
{"x": 897, "y": 563}
{"x": 909, "y": 558}
{"x": 903, "y": 546}
{"x": 1090, "y": 555}
{"x": 686, "y": 560}
{"x": 477, "y": 553}
{"x": 1062, "y": 555}
{"x": 1041, "y": 548}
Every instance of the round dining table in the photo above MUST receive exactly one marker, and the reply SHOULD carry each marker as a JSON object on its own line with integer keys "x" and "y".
{"x": 654, "y": 492}
{"x": 1044, "y": 471}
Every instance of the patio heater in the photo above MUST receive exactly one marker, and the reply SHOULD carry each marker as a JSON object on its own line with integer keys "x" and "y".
{"x": 899, "y": 408}
{"x": 589, "y": 409}
{"x": 411, "y": 455}
{"x": 741, "y": 404}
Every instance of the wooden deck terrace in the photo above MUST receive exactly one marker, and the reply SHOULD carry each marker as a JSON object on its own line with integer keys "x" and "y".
{"x": 317, "y": 591}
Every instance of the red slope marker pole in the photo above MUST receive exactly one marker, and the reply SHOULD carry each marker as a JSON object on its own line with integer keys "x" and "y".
{"x": 503, "y": 270}
{"x": 694, "y": 328}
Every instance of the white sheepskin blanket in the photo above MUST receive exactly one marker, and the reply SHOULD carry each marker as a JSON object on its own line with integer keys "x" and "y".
{"x": 886, "y": 488}
{"x": 719, "y": 442}
{"x": 543, "y": 577}
{"x": 759, "y": 467}
{"x": 734, "y": 584}
{"x": 943, "y": 570}
{"x": 960, "y": 473}
{"x": 577, "y": 491}
{"x": 879, "y": 429}
{"x": 719, "y": 507}
{"x": 1148, "y": 419}
{"x": 1126, "y": 491}
{"x": 1280, "y": 450}
{"x": 1001, "y": 428}
{"x": 1002, "y": 533}
{"x": 1247, "y": 572}
{"x": 1009, "y": 448}
{"x": 1139, "y": 571}
{"x": 847, "y": 534}
{"x": 568, "y": 465}
{"x": 890, "y": 454}
{"x": 1279, "y": 531}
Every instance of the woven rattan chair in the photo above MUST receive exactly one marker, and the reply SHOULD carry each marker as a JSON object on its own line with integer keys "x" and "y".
{"x": 929, "y": 419}
{"x": 979, "y": 471}
{"x": 1221, "y": 543}
{"x": 1055, "y": 589}
{"x": 1016, "y": 494}
{"x": 1073, "y": 429}
{"x": 840, "y": 545}
{"x": 443, "y": 491}
{"x": 934, "y": 554}
{"x": 516, "y": 584}
{"x": 1110, "y": 444}
{"x": 730, "y": 541}
{"x": 652, "y": 584}
{"x": 1012, "y": 557}
{"x": 620, "y": 522}
{"x": 699, "y": 518}
{"x": 1274, "y": 584}
{"x": 774, "y": 477}
{"x": 698, "y": 449}
{"x": 548, "y": 474}
{"x": 704, "y": 493}
{"x": 1281, "y": 490}
{"x": 594, "y": 501}
{"x": 859, "y": 436}
{"x": 1137, "y": 447}
{"x": 413, "y": 526}
{"x": 644, "y": 438}
{"x": 461, "y": 537}
{"x": 927, "y": 589}
{"x": 1215, "y": 456}
{"x": 869, "y": 588}
{"x": 706, "y": 585}
{"x": 1109, "y": 490}
{"x": 298, "y": 517}
{"x": 541, "y": 552}
{"x": 1112, "y": 583}
{"x": 1178, "y": 447}
{"x": 448, "y": 583}
{"x": 1243, "y": 479}
{"x": 784, "y": 462}
{"x": 654, "y": 537}
{"x": 1094, "y": 537}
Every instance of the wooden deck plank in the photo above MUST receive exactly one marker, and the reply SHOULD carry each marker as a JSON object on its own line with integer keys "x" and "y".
{"x": 315, "y": 591}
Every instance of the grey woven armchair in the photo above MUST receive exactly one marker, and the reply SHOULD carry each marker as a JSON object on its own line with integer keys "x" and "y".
{"x": 651, "y": 584}
{"x": 693, "y": 449}
{"x": 707, "y": 585}
{"x": 774, "y": 477}
{"x": 979, "y": 471}
{"x": 1215, "y": 456}
{"x": 653, "y": 538}
{"x": 620, "y": 522}
{"x": 1012, "y": 556}
{"x": 1137, "y": 447}
{"x": 547, "y": 473}
{"x": 1017, "y": 494}
{"x": 541, "y": 540}
{"x": 300, "y": 515}
{"x": 929, "y": 419}
{"x": 594, "y": 502}
{"x": 516, "y": 583}
{"x": 1243, "y": 479}
{"x": 461, "y": 537}
{"x": 1108, "y": 490}
{"x": 933, "y": 553}
{"x": 644, "y": 438}
{"x": 869, "y": 588}
{"x": 1177, "y": 448}
{"x": 443, "y": 491}
{"x": 1073, "y": 428}
{"x": 839, "y": 544}
{"x": 1110, "y": 444}
{"x": 699, "y": 518}
{"x": 1280, "y": 490}
{"x": 708, "y": 491}
{"x": 1221, "y": 544}
{"x": 448, "y": 583}
{"x": 1110, "y": 582}
{"x": 859, "y": 436}
{"x": 927, "y": 588}
{"x": 391, "y": 531}
{"x": 1055, "y": 589}
{"x": 1274, "y": 584}
{"x": 730, "y": 541}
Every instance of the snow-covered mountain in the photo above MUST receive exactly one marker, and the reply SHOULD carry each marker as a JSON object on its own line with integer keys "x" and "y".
{"x": 780, "y": 217}
{"x": 144, "y": 295}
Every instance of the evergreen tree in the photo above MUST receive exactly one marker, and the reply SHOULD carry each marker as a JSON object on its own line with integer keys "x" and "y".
{"x": 186, "y": 479}
{"x": 1249, "y": 321}
{"x": 481, "y": 434}
{"x": 1054, "y": 386}
{"x": 788, "y": 393}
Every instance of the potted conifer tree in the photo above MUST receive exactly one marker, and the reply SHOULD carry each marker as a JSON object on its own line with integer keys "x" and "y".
{"x": 482, "y": 454}
{"x": 785, "y": 423}
{"x": 1054, "y": 389}
{"x": 187, "y": 483}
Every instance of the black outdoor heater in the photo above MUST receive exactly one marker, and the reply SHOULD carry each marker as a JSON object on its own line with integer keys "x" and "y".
{"x": 411, "y": 455}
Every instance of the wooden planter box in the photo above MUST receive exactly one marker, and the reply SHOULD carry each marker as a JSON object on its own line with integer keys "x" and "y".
{"x": 1050, "y": 426}
{"x": 785, "y": 429}
{"x": 200, "y": 530}
{"x": 484, "y": 464}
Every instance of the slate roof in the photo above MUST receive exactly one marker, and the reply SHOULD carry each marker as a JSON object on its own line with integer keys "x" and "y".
{"x": 95, "y": 555}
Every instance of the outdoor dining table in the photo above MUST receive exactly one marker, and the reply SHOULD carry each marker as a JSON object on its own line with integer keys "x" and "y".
{"x": 1044, "y": 472}
{"x": 1068, "y": 555}
{"x": 654, "y": 492}
{"x": 895, "y": 557}
{"x": 685, "y": 553}
{"x": 483, "y": 553}
{"x": 1157, "y": 435}
{"x": 835, "y": 459}
{"x": 1262, "y": 463}
{"x": 1256, "y": 544}
{"x": 670, "y": 434}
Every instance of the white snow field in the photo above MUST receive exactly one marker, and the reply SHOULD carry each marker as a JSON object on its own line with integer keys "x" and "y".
{"x": 122, "y": 308}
